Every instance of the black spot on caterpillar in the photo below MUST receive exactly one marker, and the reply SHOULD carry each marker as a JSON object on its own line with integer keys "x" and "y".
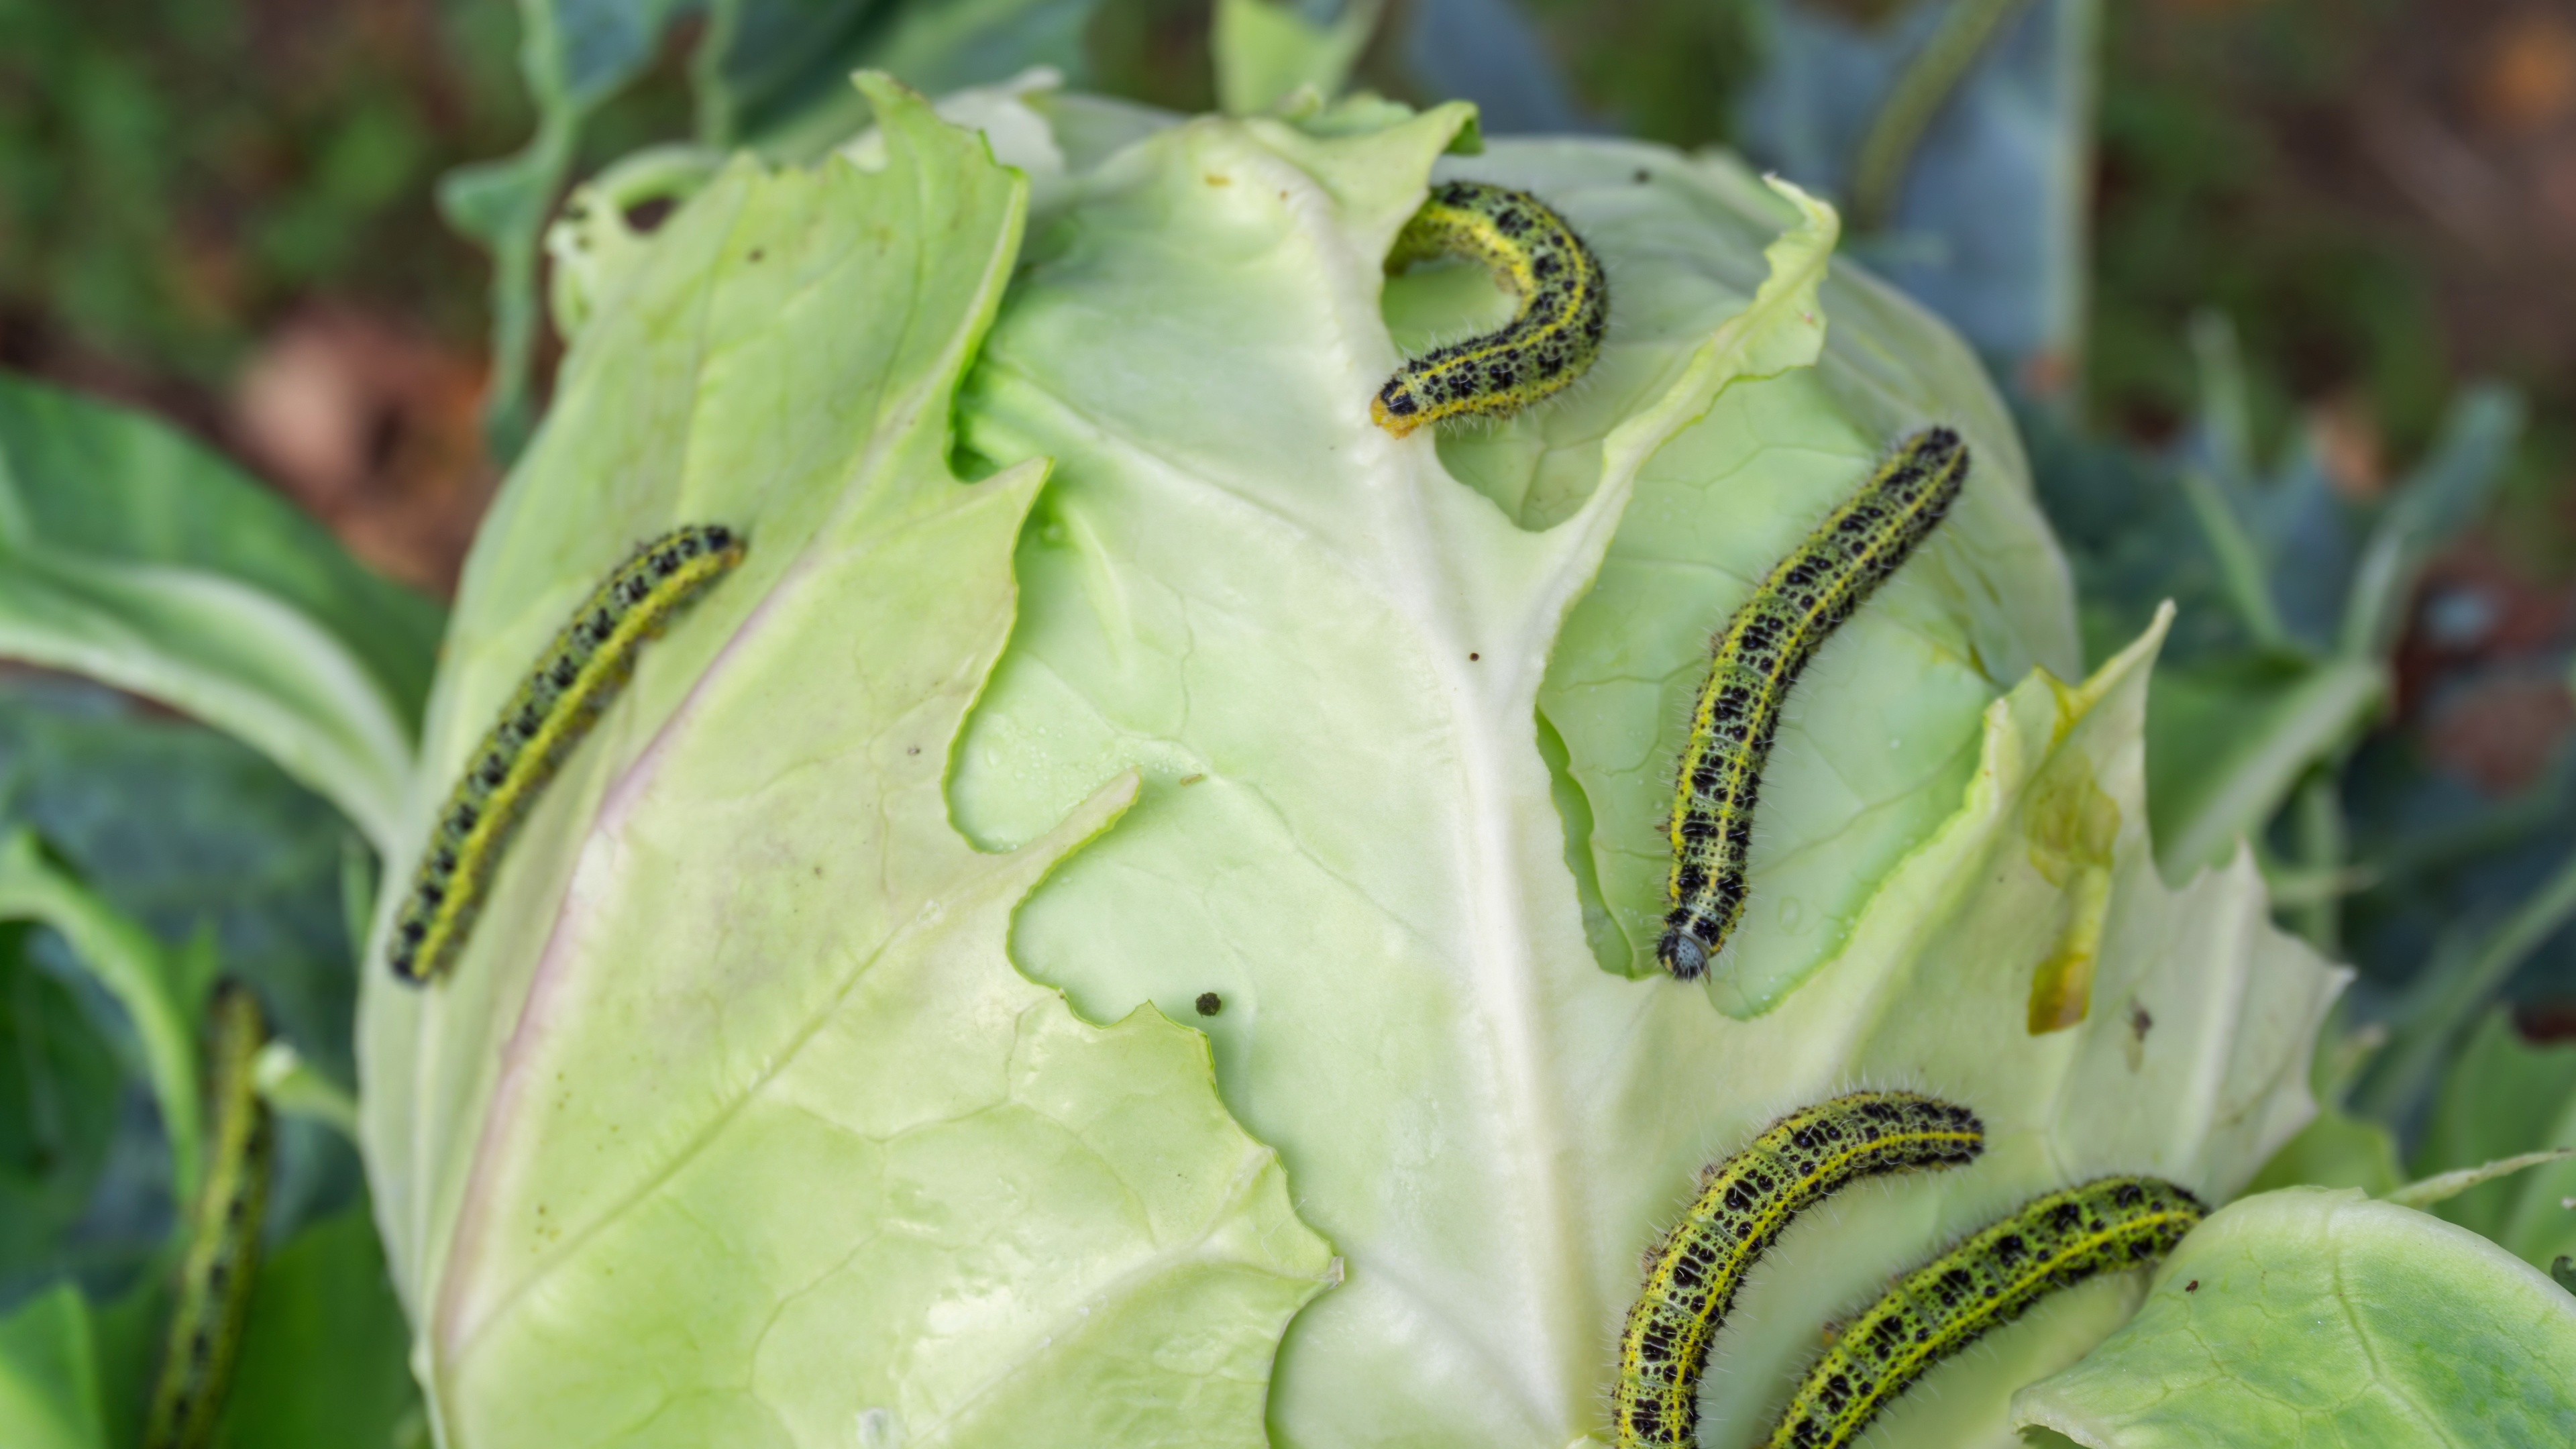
{"x": 574, "y": 680}
{"x": 1744, "y": 1204}
{"x": 223, "y": 1224}
{"x": 1757, "y": 659}
{"x": 2054, "y": 1242}
{"x": 1551, "y": 340}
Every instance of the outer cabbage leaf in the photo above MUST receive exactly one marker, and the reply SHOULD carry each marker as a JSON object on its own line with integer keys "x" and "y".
{"x": 1327, "y": 653}
{"x": 735, "y": 1124}
{"x": 136, "y": 558}
{"x": 2316, "y": 1317}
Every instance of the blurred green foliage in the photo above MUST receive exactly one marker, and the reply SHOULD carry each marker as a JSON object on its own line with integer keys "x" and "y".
{"x": 173, "y": 172}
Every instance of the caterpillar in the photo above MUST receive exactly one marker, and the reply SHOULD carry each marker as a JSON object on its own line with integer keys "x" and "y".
{"x": 1744, "y": 1204}
{"x": 1756, "y": 661}
{"x": 2054, "y": 1242}
{"x": 575, "y": 679}
{"x": 1552, "y": 338}
{"x": 223, "y": 1233}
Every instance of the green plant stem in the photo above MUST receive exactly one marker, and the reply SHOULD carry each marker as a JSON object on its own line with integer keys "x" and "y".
{"x": 290, "y": 1085}
{"x": 1888, "y": 150}
{"x": 2442, "y": 1187}
{"x": 2323, "y": 842}
{"x": 2226, "y": 412}
{"x": 2240, "y": 562}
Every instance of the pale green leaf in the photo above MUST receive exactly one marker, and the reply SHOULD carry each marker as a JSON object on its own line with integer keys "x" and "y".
{"x": 735, "y": 1123}
{"x": 1266, "y": 51}
{"x": 1327, "y": 652}
{"x": 2322, "y": 1319}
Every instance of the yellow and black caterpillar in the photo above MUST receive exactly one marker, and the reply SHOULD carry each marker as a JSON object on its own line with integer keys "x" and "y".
{"x": 575, "y": 679}
{"x": 1758, "y": 657}
{"x": 1744, "y": 1204}
{"x": 223, "y": 1224}
{"x": 2054, "y": 1242}
{"x": 1551, "y": 340}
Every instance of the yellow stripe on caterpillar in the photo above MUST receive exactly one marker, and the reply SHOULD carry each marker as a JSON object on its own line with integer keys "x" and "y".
{"x": 2104, "y": 1226}
{"x": 1756, "y": 660}
{"x": 574, "y": 681}
{"x": 1552, "y": 338}
{"x": 1744, "y": 1204}
{"x": 222, "y": 1253}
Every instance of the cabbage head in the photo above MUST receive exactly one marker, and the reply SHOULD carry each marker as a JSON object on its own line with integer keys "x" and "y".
{"x": 1128, "y": 920}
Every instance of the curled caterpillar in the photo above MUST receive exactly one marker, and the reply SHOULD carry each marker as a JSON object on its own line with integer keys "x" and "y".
{"x": 2054, "y": 1242}
{"x": 1550, "y": 341}
{"x": 1757, "y": 659}
{"x": 223, "y": 1233}
{"x": 1744, "y": 1204}
{"x": 576, "y": 678}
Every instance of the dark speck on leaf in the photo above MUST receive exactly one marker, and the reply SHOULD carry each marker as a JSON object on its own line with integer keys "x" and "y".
{"x": 1209, "y": 1003}
{"x": 2192, "y": 1287}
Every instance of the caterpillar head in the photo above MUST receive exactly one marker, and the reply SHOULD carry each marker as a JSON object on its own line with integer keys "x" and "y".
{"x": 1395, "y": 408}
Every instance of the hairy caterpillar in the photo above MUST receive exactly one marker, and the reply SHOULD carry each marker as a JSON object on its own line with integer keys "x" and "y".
{"x": 1550, "y": 341}
{"x": 576, "y": 678}
{"x": 1758, "y": 656}
{"x": 223, "y": 1233}
{"x": 1744, "y": 1204}
{"x": 2054, "y": 1242}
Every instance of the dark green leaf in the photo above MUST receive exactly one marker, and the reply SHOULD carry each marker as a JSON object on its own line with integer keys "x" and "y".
{"x": 158, "y": 994}
{"x": 186, "y": 831}
{"x": 2505, "y": 1096}
{"x": 2335, "y": 1150}
{"x": 2226, "y": 742}
{"x": 116, "y": 485}
{"x": 59, "y": 1096}
{"x": 324, "y": 1360}
{"x": 137, "y": 559}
